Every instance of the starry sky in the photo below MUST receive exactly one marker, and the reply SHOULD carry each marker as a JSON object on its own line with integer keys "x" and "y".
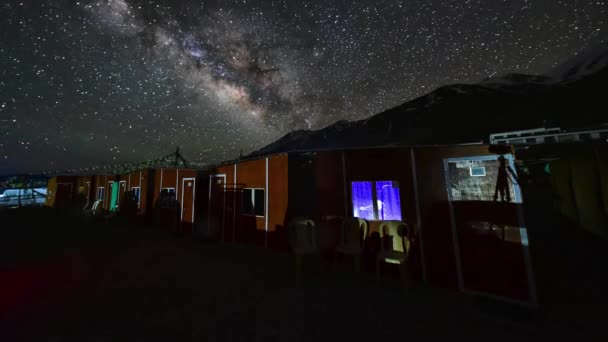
{"x": 96, "y": 82}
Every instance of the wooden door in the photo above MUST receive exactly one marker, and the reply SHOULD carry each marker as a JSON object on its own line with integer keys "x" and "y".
{"x": 187, "y": 204}
{"x": 121, "y": 192}
{"x": 217, "y": 205}
{"x": 63, "y": 194}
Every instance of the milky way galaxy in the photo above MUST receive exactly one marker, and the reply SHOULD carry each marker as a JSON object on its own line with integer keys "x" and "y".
{"x": 105, "y": 81}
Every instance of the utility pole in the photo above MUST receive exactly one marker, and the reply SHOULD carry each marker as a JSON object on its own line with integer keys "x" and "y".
{"x": 176, "y": 156}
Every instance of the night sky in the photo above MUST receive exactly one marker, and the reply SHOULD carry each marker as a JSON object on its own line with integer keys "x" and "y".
{"x": 93, "y": 82}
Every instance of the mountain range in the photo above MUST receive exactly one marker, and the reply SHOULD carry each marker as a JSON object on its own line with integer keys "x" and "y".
{"x": 569, "y": 96}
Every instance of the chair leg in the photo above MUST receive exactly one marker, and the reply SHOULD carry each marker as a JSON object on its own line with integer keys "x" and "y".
{"x": 378, "y": 269}
{"x": 403, "y": 276}
{"x": 298, "y": 268}
{"x": 357, "y": 262}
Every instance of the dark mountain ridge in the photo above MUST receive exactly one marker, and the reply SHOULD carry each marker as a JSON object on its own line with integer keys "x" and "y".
{"x": 570, "y": 96}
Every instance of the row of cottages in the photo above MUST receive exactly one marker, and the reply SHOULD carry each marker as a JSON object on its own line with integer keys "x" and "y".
{"x": 164, "y": 192}
{"x": 465, "y": 239}
{"x": 158, "y": 194}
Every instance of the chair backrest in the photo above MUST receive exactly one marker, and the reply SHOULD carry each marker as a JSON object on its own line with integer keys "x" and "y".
{"x": 398, "y": 232}
{"x": 354, "y": 232}
{"x": 303, "y": 234}
{"x": 95, "y": 207}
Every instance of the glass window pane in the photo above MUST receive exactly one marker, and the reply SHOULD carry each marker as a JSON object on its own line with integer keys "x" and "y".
{"x": 388, "y": 201}
{"x": 465, "y": 186}
{"x": 259, "y": 202}
{"x": 363, "y": 205}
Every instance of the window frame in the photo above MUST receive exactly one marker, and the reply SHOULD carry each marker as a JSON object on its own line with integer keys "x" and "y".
{"x": 103, "y": 193}
{"x": 374, "y": 197}
{"x": 253, "y": 191}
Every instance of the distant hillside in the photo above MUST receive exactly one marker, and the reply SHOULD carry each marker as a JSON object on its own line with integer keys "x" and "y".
{"x": 572, "y": 95}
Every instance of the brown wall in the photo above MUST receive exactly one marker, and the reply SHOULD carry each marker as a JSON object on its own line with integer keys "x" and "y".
{"x": 139, "y": 179}
{"x": 329, "y": 184}
{"x": 102, "y": 181}
{"x": 53, "y": 186}
{"x": 82, "y": 187}
{"x": 396, "y": 164}
{"x": 278, "y": 191}
{"x": 252, "y": 174}
{"x": 173, "y": 178}
{"x": 382, "y": 165}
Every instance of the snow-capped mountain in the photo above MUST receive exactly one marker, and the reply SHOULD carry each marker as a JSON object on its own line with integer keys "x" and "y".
{"x": 588, "y": 62}
{"x": 572, "y": 95}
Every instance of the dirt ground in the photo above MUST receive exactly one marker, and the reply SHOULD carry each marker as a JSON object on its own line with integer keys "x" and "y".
{"x": 64, "y": 279}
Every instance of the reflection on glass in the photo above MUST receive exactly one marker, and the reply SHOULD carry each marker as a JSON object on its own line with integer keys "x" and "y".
{"x": 389, "y": 204}
{"x": 363, "y": 203}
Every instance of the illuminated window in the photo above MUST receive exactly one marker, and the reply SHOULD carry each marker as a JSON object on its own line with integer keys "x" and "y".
{"x": 253, "y": 202}
{"x": 376, "y": 200}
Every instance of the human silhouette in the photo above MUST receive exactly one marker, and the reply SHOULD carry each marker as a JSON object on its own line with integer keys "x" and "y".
{"x": 502, "y": 181}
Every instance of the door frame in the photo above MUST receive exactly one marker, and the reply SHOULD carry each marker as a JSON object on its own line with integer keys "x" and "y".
{"x": 211, "y": 177}
{"x": 522, "y": 228}
{"x": 193, "y": 196}
{"x": 119, "y": 187}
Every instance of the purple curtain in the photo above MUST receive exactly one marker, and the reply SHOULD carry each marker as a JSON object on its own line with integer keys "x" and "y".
{"x": 363, "y": 203}
{"x": 389, "y": 203}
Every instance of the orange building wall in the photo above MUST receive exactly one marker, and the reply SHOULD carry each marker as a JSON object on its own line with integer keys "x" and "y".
{"x": 278, "y": 191}
{"x": 173, "y": 178}
{"x": 252, "y": 174}
{"x": 51, "y": 188}
{"x": 139, "y": 179}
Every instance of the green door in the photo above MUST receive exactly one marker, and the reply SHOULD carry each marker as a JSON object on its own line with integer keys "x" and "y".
{"x": 114, "y": 197}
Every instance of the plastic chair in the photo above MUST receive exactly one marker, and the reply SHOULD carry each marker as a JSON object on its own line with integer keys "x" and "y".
{"x": 353, "y": 234}
{"x": 397, "y": 248}
{"x": 303, "y": 240}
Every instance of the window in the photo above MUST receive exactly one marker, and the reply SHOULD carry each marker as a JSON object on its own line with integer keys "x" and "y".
{"x": 377, "y": 200}
{"x": 253, "y": 202}
{"x": 167, "y": 192}
{"x": 136, "y": 193}
{"x": 464, "y": 186}
{"x": 100, "y": 193}
{"x": 477, "y": 171}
